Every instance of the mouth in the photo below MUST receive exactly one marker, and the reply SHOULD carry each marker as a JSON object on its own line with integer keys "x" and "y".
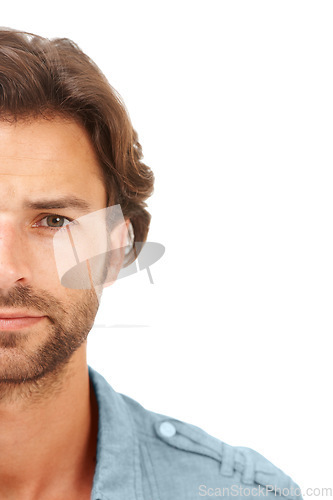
{"x": 18, "y": 320}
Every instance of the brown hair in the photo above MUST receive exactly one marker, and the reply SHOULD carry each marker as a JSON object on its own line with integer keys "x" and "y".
{"x": 42, "y": 77}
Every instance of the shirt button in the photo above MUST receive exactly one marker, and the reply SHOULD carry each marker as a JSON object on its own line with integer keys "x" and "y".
{"x": 167, "y": 429}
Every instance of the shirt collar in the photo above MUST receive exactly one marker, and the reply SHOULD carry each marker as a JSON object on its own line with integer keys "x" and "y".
{"x": 117, "y": 467}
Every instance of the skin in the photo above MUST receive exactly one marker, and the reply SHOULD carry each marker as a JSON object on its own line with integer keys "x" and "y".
{"x": 48, "y": 411}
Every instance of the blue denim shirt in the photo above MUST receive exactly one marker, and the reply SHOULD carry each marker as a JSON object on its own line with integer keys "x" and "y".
{"x": 142, "y": 455}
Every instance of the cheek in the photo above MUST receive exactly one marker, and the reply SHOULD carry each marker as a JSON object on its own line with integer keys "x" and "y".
{"x": 80, "y": 253}
{"x": 43, "y": 266}
{"x": 69, "y": 260}
{"x": 78, "y": 300}
{"x": 41, "y": 255}
{"x": 81, "y": 308}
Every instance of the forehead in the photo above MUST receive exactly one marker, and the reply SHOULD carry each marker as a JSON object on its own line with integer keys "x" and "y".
{"x": 43, "y": 155}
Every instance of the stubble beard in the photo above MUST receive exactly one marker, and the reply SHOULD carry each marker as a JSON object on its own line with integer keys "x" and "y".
{"x": 38, "y": 372}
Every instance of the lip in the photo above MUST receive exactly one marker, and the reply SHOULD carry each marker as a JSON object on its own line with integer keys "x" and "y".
{"x": 17, "y": 321}
{"x": 18, "y": 314}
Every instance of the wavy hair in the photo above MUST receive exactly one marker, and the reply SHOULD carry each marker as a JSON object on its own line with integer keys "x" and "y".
{"x": 43, "y": 77}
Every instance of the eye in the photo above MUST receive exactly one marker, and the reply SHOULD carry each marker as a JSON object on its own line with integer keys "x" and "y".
{"x": 53, "y": 222}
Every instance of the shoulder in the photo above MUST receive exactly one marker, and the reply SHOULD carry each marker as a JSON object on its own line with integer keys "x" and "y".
{"x": 161, "y": 458}
{"x": 185, "y": 461}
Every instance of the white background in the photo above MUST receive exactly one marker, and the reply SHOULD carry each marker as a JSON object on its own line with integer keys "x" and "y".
{"x": 233, "y": 104}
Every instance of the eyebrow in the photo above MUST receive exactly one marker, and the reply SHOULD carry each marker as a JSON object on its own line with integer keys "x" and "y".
{"x": 63, "y": 202}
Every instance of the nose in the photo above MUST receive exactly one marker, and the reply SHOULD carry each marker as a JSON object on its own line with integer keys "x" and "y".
{"x": 13, "y": 258}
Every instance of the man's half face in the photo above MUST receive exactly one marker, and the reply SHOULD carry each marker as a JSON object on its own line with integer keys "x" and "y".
{"x": 49, "y": 175}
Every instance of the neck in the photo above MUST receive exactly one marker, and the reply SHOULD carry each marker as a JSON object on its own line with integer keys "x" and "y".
{"x": 48, "y": 443}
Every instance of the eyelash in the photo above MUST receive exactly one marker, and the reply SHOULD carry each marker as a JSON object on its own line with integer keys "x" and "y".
{"x": 50, "y": 228}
